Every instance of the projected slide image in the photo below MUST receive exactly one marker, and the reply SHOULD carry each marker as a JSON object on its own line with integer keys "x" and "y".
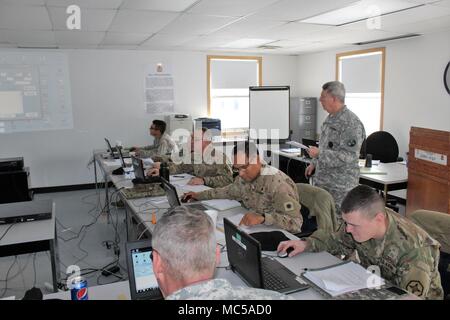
{"x": 19, "y": 93}
{"x": 34, "y": 92}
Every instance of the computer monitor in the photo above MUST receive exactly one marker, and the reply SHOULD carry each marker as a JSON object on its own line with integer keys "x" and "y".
{"x": 138, "y": 167}
{"x": 110, "y": 149}
{"x": 143, "y": 283}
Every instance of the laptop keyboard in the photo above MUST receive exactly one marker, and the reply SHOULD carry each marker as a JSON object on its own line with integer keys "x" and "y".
{"x": 272, "y": 281}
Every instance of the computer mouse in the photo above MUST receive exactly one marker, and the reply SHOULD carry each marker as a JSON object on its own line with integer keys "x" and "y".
{"x": 186, "y": 198}
{"x": 286, "y": 253}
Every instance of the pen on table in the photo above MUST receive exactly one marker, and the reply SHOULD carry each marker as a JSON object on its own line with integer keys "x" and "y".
{"x": 178, "y": 176}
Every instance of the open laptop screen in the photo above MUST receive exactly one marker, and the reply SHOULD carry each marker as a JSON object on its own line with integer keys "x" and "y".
{"x": 244, "y": 254}
{"x": 143, "y": 283}
{"x": 110, "y": 149}
{"x": 138, "y": 168}
{"x": 172, "y": 195}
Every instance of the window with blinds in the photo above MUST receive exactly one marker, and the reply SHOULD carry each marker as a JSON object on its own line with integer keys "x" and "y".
{"x": 228, "y": 95}
{"x": 362, "y": 73}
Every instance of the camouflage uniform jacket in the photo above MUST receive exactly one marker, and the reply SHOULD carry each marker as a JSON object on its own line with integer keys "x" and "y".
{"x": 162, "y": 146}
{"x": 213, "y": 166}
{"x": 407, "y": 256}
{"x": 337, "y": 169}
{"x": 221, "y": 289}
{"x": 272, "y": 193}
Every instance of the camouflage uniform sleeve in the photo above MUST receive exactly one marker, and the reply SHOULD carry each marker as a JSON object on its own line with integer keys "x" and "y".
{"x": 415, "y": 271}
{"x": 164, "y": 147}
{"x": 336, "y": 243}
{"x": 223, "y": 177}
{"x": 147, "y": 148}
{"x": 350, "y": 142}
{"x": 181, "y": 168}
{"x": 231, "y": 191}
{"x": 287, "y": 211}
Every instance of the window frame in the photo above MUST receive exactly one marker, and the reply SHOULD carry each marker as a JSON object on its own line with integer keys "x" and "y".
{"x": 257, "y": 59}
{"x": 383, "y": 62}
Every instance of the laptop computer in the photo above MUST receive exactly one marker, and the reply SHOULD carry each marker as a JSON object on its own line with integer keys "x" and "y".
{"x": 25, "y": 211}
{"x": 113, "y": 151}
{"x": 244, "y": 256}
{"x": 174, "y": 201}
{"x": 143, "y": 283}
{"x": 139, "y": 172}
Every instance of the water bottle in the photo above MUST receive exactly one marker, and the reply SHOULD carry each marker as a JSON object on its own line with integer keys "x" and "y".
{"x": 164, "y": 171}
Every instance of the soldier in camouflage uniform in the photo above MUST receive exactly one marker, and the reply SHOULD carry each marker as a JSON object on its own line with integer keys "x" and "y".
{"x": 342, "y": 134}
{"x": 377, "y": 236}
{"x": 270, "y": 193}
{"x": 162, "y": 143}
{"x": 209, "y": 165}
{"x": 185, "y": 256}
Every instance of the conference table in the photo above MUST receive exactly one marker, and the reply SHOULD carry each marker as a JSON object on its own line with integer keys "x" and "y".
{"x": 143, "y": 213}
{"x": 381, "y": 176}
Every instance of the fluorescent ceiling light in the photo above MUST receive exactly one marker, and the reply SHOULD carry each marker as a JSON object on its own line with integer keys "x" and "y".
{"x": 361, "y": 10}
{"x": 247, "y": 43}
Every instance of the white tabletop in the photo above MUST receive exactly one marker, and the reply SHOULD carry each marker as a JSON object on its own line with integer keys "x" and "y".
{"x": 31, "y": 231}
{"x": 386, "y": 173}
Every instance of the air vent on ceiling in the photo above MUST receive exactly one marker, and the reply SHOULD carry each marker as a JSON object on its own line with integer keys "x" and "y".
{"x": 405, "y": 36}
{"x": 268, "y": 47}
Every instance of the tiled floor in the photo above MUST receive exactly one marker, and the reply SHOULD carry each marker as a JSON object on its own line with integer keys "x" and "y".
{"x": 87, "y": 250}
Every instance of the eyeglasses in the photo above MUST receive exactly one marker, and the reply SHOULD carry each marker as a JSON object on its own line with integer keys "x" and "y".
{"x": 152, "y": 128}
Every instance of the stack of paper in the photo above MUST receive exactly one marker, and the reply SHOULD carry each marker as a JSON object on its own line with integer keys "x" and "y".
{"x": 222, "y": 204}
{"x": 343, "y": 278}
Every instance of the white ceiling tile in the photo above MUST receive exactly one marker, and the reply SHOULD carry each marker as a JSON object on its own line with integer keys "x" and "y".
{"x": 422, "y": 27}
{"x": 443, "y": 3}
{"x": 141, "y": 21}
{"x": 31, "y": 38}
{"x": 158, "y": 5}
{"x": 129, "y": 39}
{"x": 74, "y": 38}
{"x": 205, "y": 42}
{"x": 24, "y": 2}
{"x": 236, "y": 8}
{"x": 291, "y": 30}
{"x": 92, "y": 4}
{"x": 247, "y": 26}
{"x": 411, "y": 17}
{"x": 91, "y": 19}
{"x": 289, "y": 43}
{"x": 24, "y": 18}
{"x": 117, "y": 47}
{"x": 166, "y": 40}
{"x": 196, "y": 24}
{"x": 291, "y": 10}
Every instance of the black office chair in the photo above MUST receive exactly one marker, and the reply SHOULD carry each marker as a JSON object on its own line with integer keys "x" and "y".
{"x": 382, "y": 146}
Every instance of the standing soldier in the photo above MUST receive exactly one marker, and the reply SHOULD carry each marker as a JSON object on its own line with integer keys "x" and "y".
{"x": 342, "y": 134}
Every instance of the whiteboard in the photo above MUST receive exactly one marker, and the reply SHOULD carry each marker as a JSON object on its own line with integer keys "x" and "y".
{"x": 269, "y": 112}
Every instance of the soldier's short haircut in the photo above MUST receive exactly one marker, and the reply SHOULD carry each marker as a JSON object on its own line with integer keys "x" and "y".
{"x": 249, "y": 148}
{"x": 186, "y": 242}
{"x": 160, "y": 125}
{"x": 363, "y": 199}
{"x": 336, "y": 89}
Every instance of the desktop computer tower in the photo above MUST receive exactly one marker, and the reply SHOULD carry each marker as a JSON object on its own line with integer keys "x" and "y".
{"x": 14, "y": 186}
